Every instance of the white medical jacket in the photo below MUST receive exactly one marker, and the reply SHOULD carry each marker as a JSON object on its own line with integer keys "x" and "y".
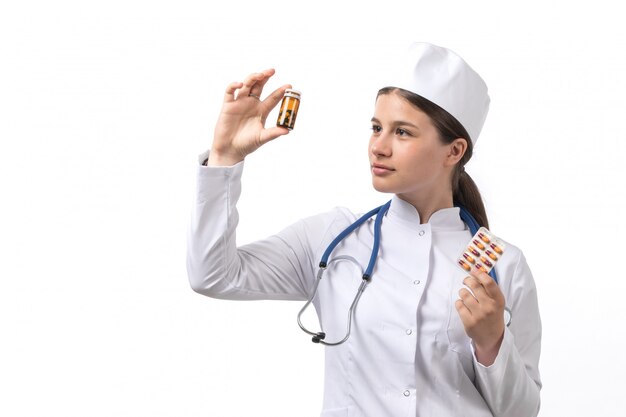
{"x": 408, "y": 354}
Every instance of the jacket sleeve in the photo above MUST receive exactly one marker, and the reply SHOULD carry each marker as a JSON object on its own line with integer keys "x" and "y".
{"x": 279, "y": 267}
{"x": 511, "y": 384}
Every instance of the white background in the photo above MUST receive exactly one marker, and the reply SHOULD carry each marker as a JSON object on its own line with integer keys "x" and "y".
{"x": 104, "y": 107}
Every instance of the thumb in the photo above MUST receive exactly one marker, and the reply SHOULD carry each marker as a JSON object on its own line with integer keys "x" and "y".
{"x": 274, "y": 98}
{"x": 272, "y": 133}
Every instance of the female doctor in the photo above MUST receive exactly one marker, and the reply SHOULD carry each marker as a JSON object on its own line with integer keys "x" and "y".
{"x": 426, "y": 338}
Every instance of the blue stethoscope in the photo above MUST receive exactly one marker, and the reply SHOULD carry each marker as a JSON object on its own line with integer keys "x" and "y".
{"x": 379, "y": 212}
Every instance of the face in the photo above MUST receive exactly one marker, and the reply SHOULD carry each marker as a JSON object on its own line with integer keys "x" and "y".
{"x": 406, "y": 155}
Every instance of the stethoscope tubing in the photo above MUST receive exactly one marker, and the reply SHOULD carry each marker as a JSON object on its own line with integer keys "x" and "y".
{"x": 318, "y": 337}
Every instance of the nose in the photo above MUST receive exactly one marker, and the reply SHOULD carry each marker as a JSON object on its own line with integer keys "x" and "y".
{"x": 380, "y": 145}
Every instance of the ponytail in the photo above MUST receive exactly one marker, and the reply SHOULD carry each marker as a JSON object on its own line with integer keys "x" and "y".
{"x": 464, "y": 190}
{"x": 465, "y": 193}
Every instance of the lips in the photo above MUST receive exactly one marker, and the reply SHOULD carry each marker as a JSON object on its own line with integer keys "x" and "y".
{"x": 380, "y": 169}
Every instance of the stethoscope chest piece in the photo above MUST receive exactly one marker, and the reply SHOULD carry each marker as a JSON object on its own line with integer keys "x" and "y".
{"x": 318, "y": 337}
{"x": 379, "y": 212}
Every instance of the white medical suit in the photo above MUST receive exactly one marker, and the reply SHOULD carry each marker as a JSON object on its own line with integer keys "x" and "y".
{"x": 408, "y": 354}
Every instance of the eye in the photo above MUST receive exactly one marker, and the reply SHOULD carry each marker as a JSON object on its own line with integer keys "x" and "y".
{"x": 376, "y": 129}
{"x": 401, "y": 132}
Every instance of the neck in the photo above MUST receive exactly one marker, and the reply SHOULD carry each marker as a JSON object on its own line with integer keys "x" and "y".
{"x": 427, "y": 205}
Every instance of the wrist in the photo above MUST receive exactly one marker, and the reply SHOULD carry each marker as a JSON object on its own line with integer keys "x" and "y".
{"x": 486, "y": 354}
{"x": 219, "y": 159}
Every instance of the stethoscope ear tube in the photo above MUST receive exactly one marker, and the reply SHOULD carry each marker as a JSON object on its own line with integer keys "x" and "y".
{"x": 318, "y": 337}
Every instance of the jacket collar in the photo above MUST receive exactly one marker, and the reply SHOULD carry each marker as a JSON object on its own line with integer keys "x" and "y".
{"x": 444, "y": 219}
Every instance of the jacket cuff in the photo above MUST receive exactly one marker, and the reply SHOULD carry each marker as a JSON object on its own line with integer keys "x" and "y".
{"x": 212, "y": 179}
{"x": 499, "y": 364}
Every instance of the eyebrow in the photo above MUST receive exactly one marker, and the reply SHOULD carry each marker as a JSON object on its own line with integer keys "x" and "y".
{"x": 397, "y": 123}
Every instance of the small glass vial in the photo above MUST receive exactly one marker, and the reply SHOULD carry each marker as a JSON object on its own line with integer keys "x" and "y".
{"x": 289, "y": 109}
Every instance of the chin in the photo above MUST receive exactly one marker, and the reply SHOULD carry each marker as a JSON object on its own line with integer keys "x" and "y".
{"x": 382, "y": 188}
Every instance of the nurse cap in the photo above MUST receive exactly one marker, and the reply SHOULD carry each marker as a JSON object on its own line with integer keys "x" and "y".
{"x": 441, "y": 76}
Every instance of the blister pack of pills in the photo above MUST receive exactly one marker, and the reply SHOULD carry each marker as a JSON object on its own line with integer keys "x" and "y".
{"x": 482, "y": 252}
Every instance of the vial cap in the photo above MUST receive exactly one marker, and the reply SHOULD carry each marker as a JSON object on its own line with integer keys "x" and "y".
{"x": 292, "y": 93}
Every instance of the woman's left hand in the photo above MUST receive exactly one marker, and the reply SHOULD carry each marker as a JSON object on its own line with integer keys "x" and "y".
{"x": 482, "y": 314}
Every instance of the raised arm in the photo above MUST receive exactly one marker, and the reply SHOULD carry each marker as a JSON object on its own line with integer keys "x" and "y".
{"x": 278, "y": 267}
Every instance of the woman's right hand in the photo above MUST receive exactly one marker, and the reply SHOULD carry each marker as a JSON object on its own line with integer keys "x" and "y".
{"x": 240, "y": 128}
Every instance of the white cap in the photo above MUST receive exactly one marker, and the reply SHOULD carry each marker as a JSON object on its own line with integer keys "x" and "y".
{"x": 443, "y": 77}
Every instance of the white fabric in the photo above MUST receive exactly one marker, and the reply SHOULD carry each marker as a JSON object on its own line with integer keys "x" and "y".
{"x": 443, "y": 77}
{"x": 408, "y": 354}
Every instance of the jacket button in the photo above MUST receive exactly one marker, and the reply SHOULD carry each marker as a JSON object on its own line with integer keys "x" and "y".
{"x": 421, "y": 233}
{"x": 416, "y": 282}
{"x": 409, "y": 331}
{"x": 407, "y": 393}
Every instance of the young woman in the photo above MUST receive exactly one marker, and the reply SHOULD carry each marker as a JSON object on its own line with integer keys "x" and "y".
{"x": 427, "y": 338}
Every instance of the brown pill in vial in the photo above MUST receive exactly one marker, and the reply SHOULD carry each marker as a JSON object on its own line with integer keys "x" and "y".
{"x": 289, "y": 109}
{"x": 473, "y": 250}
{"x": 483, "y": 237}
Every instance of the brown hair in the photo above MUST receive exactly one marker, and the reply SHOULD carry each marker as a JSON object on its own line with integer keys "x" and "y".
{"x": 464, "y": 190}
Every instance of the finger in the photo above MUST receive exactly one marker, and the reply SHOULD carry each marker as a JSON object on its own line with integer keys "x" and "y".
{"x": 464, "y": 312}
{"x": 229, "y": 95}
{"x": 257, "y": 88}
{"x": 274, "y": 98}
{"x": 468, "y": 299}
{"x": 272, "y": 133}
{"x": 249, "y": 83}
{"x": 476, "y": 286}
{"x": 487, "y": 282}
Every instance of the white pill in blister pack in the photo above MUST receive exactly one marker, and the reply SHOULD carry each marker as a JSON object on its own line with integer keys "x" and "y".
{"x": 482, "y": 252}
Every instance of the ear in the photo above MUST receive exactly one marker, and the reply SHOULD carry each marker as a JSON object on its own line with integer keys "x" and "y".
{"x": 456, "y": 150}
